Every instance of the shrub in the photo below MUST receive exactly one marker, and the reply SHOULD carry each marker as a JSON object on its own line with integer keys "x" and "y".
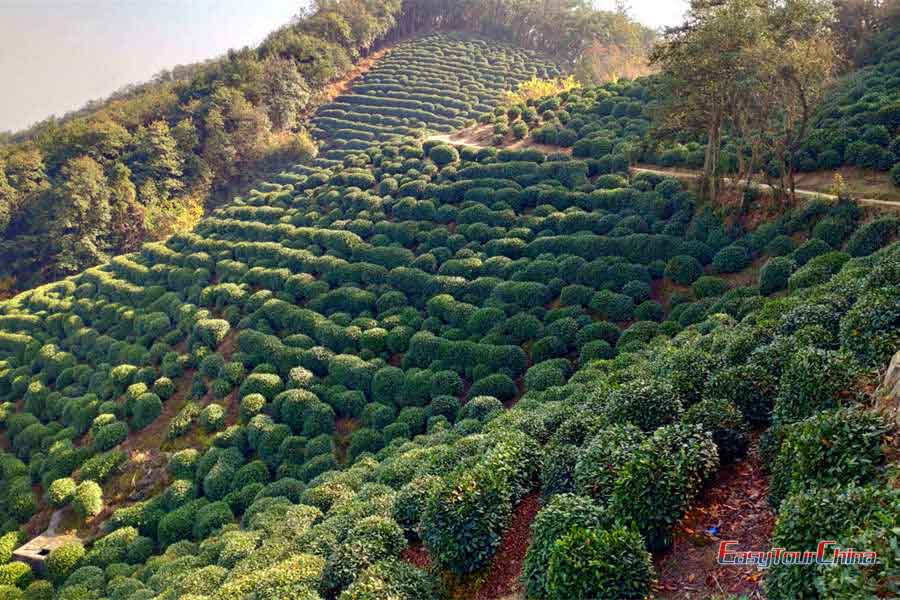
{"x": 831, "y": 448}
{"x": 164, "y": 388}
{"x": 481, "y": 408}
{"x": 648, "y": 403}
{"x": 210, "y": 518}
{"x": 63, "y": 560}
{"x": 392, "y": 578}
{"x": 731, "y": 259}
{"x": 709, "y": 287}
{"x": 598, "y": 466}
{"x": 561, "y": 514}
{"x": 594, "y": 563}
{"x": 182, "y": 464}
{"x": 16, "y": 574}
{"x": 443, "y": 155}
{"x": 268, "y": 385}
{"x": 873, "y": 236}
{"x": 211, "y": 332}
{"x": 369, "y": 541}
{"x": 61, "y": 492}
{"x": 869, "y": 329}
{"x": 109, "y": 436}
{"x": 727, "y": 425}
{"x": 806, "y": 518}
{"x": 812, "y": 380}
{"x": 250, "y": 406}
{"x": 465, "y": 518}
{"x": 87, "y": 499}
{"x": 8, "y": 543}
{"x": 613, "y": 306}
{"x": 774, "y": 275}
{"x": 684, "y": 270}
{"x": 657, "y": 485}
{"x": 212, "y": 417}
{"x": 146, "y": 410}
{"x": 498, "y": 385}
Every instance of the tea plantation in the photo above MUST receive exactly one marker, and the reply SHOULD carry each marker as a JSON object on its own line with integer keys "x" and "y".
{"x": 440, "y": 83}
{"x": 399, "y": 351}
{"x": 857, "y": 125}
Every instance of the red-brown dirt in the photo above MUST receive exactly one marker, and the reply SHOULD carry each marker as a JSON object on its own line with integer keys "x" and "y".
{"x": 736, "y": 507}
{"x": 504, "y": 574}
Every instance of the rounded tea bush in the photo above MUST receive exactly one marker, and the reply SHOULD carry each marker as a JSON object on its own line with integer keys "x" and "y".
{"x": 561, "y": 514}
{"x": 724, "y": 421}
{"x": 62, "y": 561}
{"x": 61, "y": 492}
{"x": 774, "y": 275}
{"x": 731, "y": 259}
{"x": 684, "y": 270}
{"x": 465, "y": 518}
{"x": 648, "y": 403}
{"x": 147, "y": 408}
{"x": 16, "y": 574}
{"x": 590, "y": 563}
{"x": 87, "y": 499}
{"x": 598, "y": 467}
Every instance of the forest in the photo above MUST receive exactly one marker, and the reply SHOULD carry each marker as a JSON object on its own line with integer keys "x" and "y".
{"x": 462, "y": 332}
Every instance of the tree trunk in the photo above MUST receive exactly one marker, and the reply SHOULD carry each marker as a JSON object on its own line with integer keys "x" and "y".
{"x": 711, "y": 160}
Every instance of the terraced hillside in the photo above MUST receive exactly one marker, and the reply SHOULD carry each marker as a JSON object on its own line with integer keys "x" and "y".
{"x": 438, "y": 82}
{"x": 388, "y": 359}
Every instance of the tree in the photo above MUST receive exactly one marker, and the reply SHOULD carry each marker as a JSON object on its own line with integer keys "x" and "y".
{"x": 155, "y": 156}
{"x": 704, "y": 65}
{"x": 82, "y": 215}
{"x": 285, "y": 93}
{"x": 127, "y": 219}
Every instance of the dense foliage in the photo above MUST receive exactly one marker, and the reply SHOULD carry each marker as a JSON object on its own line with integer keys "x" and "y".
{"x": 403, "y": 343}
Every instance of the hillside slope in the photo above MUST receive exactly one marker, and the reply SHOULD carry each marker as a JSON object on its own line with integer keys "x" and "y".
{"x": 351, "y": 344}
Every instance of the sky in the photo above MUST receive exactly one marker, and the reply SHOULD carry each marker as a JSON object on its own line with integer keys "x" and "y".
{"x": 653, "y": 13}
{"x": 55, "y": 55}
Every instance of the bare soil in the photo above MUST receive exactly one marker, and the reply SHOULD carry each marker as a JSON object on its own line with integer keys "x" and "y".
{"x": 735, "y": 507}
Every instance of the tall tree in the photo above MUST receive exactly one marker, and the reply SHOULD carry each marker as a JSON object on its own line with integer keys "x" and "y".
{"x": 285, "y": 93}
{"x": 82, "y": 215}
{"x": 704, "y": 67}
{"x": 155, "y": 156}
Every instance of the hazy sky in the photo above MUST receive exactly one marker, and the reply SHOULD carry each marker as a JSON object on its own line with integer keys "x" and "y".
{"x": 653, "y": 13}
{"x": 55, "y": 55}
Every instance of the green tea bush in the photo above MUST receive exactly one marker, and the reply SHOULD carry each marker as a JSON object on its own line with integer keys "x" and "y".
{"x": 16, "y": 574}
{"x": 562, "y": 514}
{"x": 87, "y": 500}
{"x": 684, "y": 270}
{"x": 731, "y": 259}
{"x": 648, "y": 403}
{"x": 598, "y": 466}
{"x": 465, "y": 518}
{"x": 657, "y": 485}
{"x": 371, "y": 540}
{"x": 813, "y": 380}
{"x": 580, "y": 565}
{"x": 831, "y": 448}
{"x": 61, "y": 492}
{"x": 395, "y": 579}
{"x": 806, "y": 518}
{"x": 724, "y": 421}
{"x": 775, "y": 274}
{"x": 147, "y": 408}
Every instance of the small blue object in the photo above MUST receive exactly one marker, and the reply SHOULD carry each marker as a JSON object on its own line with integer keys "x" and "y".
{"x": 713, "y": 531}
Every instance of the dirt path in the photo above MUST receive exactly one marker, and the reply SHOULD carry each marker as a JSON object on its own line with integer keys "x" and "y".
{"x": 343, "y": 85}
{"x": 482, "y": 137}
{"x": 808, "y": 194}
{"x": 736, "y": 507}
{"x": 503, "y": 580}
